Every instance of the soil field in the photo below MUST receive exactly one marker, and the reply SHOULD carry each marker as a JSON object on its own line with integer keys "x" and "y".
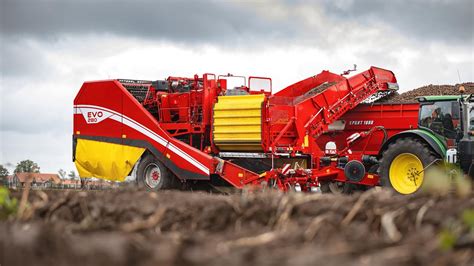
{"x": 132, "y": 227}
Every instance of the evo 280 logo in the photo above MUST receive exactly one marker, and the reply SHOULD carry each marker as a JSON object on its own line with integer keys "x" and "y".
{"x": 361, "y": 122}
{"x": 94, "y": 116}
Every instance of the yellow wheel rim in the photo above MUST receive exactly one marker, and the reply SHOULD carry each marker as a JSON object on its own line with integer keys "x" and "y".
{"x": 406, "y": 173}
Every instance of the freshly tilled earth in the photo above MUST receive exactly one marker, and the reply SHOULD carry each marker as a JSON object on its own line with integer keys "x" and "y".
{"x": 125, "y": 227}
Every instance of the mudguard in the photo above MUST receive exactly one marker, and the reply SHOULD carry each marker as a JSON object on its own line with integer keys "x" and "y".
{"x": 438, "y": 146}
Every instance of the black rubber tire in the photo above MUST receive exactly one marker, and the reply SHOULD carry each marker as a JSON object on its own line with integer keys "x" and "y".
{"x": 404, "y": 145}
{"x": 330, "y": 187}
{"x": 324, "y": 186}
{"x": 166, "y": 179}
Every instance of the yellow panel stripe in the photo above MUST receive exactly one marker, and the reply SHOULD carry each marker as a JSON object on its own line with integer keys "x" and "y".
{"x": 238, "y": 122}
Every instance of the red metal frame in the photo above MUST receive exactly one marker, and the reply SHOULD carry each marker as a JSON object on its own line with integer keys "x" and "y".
{"x": 254, "y": 91}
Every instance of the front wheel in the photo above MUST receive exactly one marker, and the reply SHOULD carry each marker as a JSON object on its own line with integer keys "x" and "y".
{"x": 403, "y": 165}
{"x": 153, "y": 175}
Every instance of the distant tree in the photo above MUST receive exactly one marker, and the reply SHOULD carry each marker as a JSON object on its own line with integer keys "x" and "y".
{"x": 27, "y": 166}
{"x": 3, "y": 175}
{"x": 62, "y": 173}
{"x": 3, "y": 171}
{"x": 72, "y": 175}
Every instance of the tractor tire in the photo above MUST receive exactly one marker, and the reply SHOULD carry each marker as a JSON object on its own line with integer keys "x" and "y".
{"x": 403, "y": 164}
{"x": 153, "y": 175}
{"x": 335, "y": 187}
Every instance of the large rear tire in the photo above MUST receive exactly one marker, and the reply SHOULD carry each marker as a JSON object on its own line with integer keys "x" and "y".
{"x": 403, "y": 165}
{"x": 153, "y": 175}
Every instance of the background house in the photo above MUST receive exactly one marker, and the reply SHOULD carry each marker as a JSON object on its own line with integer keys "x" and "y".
{"x": 38, "y": 180}
{"x": 53, "y": 181}
{"x": 70, "y": 183}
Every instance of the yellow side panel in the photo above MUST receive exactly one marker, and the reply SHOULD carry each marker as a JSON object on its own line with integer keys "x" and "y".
{"x": 238, "y": 122}
{"x": 105, "y": 160}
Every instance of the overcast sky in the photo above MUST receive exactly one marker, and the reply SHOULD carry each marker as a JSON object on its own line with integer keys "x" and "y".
{"x": 48, "y": 48}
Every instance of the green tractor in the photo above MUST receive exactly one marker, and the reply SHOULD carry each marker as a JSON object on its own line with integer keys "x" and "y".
{"x": 444, "y": 136}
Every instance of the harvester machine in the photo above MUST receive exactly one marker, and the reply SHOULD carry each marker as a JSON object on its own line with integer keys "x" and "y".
{"x": 315, "y": 134}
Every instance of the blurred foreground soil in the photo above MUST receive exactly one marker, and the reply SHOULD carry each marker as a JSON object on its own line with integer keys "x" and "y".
{"x": 132, "y": 227}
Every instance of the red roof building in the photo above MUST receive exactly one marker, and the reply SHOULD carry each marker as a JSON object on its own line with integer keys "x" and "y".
{"x": 37, "y": 180}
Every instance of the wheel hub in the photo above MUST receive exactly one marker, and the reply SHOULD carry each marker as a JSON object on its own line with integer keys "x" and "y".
{"x": 152, "y": 175}
{"x": 155, "y": 175}
{"x": 406, "y": 173}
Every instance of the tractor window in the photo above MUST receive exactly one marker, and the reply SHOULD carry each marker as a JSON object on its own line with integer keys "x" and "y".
{"x": 471, "y": 119}
{"x": 440, "y": 118}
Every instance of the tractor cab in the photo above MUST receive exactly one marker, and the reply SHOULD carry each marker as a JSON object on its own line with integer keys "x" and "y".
{"x": 441, "y": 115}
{"x": 451, "y": 119}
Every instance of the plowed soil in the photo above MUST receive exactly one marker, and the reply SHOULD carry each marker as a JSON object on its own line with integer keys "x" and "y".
{"x": 131, "y": 227}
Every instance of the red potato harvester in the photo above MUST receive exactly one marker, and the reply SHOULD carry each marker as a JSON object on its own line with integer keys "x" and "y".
{"x": 321, "y": 133}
